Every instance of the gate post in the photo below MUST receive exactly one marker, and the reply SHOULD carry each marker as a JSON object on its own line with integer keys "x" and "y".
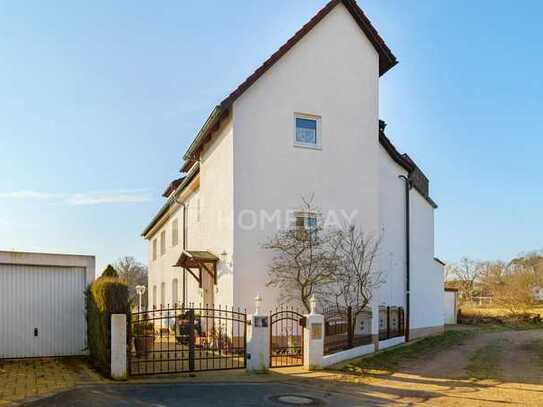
{"x": 118, "y": 347}
{"x": 258, "y": 340}
{"x": 313, "y": 338}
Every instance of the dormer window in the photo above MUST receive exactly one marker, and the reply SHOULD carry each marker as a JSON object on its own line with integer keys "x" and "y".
{"x": 307, "y": 131}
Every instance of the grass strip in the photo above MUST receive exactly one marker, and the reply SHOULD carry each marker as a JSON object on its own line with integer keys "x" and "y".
{"x": 389, "y": 360}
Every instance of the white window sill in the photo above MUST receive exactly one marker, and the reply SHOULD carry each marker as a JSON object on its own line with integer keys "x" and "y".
{"x": 309, "y": 146}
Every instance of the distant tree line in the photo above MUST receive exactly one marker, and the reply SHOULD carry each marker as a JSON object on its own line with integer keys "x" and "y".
{"x": 510, "y": 285}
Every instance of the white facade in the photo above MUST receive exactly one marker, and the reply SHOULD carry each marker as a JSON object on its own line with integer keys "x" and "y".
{"x": 249, "y": 165}
{"x": 42, "y": 304}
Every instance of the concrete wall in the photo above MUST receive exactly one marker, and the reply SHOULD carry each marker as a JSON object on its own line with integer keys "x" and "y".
{"x": 332, "y": 73}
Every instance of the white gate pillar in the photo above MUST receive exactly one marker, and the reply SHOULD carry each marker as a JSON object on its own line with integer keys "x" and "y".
{"x": 119, "y": 365}
{"x": 374, "y": 305}
{"x": 258, "y": 340}
{"x": 313, "y": 338}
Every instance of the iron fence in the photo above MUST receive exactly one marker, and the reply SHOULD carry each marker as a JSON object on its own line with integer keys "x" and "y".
{"x": 286, "y": 337}
{"x": 187, "y": 338}
{"x": 343, "y": 331}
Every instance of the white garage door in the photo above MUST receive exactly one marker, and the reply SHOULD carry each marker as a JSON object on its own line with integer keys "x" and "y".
{"x": 42, "y": 311}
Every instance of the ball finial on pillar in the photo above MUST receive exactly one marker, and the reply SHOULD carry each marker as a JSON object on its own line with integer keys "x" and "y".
{"x": 313, "y": 304}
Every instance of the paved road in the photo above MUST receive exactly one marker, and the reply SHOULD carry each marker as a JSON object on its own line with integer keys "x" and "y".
{"x": 193, "y": 394}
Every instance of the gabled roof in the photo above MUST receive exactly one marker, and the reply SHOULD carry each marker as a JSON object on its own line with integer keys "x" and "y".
{"x": 386, "y": 61}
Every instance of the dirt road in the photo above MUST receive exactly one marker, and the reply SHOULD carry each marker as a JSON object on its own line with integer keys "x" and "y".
{"x": 488, "y": 369}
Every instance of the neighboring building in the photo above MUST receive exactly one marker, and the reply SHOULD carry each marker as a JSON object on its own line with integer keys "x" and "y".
{"x": 538, "y": 293}
{"x": 306, "y": 122}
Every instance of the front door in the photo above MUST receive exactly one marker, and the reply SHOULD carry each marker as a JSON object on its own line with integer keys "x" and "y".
{"x": 208, "y": 288}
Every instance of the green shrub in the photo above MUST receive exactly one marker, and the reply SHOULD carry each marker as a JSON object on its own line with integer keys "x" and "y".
{"x": 105, "y": 296}
{"x": 110, "y": 272}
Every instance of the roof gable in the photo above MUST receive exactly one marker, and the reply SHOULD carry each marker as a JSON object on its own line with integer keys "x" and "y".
{"x": 386, "y": 61}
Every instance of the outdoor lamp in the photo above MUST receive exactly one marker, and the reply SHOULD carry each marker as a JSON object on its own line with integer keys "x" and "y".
{"x": 140, "y": 290}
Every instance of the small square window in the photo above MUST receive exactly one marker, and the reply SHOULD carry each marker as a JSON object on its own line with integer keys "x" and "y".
{"x": 306, "y": 224}
{"x": 307, "y": 132}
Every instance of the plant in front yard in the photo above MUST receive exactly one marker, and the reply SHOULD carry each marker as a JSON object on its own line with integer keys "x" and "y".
{"x": 355, "y": 277}
{"x": 304, "y": 261}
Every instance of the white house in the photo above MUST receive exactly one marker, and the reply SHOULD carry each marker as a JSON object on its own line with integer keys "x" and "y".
{"x": 305, "y": 123}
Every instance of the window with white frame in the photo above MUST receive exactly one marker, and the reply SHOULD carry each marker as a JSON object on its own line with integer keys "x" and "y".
{"x": 154, "y": 249}
{"x": 175, "y": 232}
{"x": 154, "y": 296}
{"x": 163, "y": 243}
{"x": 175, "y": 288}
{"x": 306, "y": 223}
{"x": 307, "y": 131}
{"x": 163, "y": 295}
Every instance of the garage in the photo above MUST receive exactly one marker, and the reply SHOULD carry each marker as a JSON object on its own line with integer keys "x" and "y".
{"x": 42, "y": 304}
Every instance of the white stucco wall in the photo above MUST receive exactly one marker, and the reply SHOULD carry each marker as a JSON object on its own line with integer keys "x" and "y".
{"x": 209, "y": 226}
{"x": 333, "y": 73}
{"x": 426, "y": 276}
{"x": 391, "y": 259}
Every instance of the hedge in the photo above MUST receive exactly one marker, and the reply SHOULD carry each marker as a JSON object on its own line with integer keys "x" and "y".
{"x": 105, "y": 296}
{"x": 110, "y": 272}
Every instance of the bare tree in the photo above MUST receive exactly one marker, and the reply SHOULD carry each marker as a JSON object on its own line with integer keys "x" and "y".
{"x": 134, "y": 273}
{"x": 468, "y": 273}
{"x": 511, "y": 285}
{"x": 356, "y": 277}
{"x": 303, "y": 263}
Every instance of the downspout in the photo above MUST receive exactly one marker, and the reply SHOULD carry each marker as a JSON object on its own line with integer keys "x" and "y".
{"x": 408, "y": 186}
{"x": 184, "y": 247}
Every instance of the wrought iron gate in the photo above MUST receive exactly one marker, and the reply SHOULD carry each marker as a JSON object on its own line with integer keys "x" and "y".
{"x": 286, "y": 338}
{"x": 187, "y": 339}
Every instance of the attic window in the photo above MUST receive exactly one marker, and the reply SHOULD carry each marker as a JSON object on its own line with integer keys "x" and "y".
{"x": 307, "y": 131}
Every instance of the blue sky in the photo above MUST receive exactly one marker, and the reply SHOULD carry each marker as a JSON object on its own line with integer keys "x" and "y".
{"x": 98, "y": 101}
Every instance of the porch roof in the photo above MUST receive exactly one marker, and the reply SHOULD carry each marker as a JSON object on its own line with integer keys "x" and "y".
{"x": 198, "y": 259}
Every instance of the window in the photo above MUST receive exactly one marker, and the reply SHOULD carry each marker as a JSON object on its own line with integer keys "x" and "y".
{"x": 175, "y": 233}
{"x": 162, "y": 295}
{"x": 154, "y": 297}
{"x": 306, "y": 223}
{"x": 154, "y": 249}
{"x": 163, "y": 243}
{"x": 307, "y": 132}
{"x": 175, "y": 287}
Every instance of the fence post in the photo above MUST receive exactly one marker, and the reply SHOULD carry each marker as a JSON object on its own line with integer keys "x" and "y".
{"x": 192, "y": 339}
{"x": 258, "y": 340}
{"x": 118, "y": 347}
{"x": 313, "y": 338}
{"x": 388, "y": 322}
{"x": 350, "y": 326}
